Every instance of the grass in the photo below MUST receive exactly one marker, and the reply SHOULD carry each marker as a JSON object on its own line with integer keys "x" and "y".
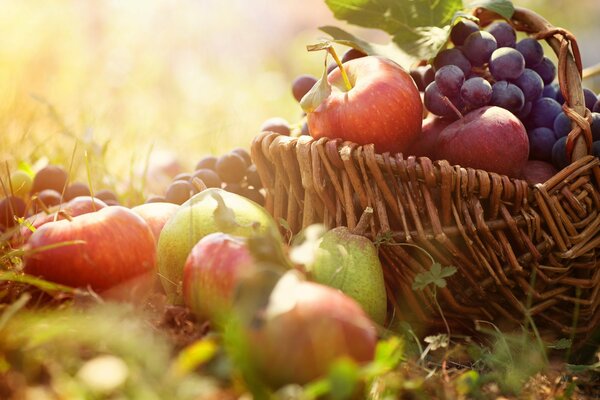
{"x": 103, "y": 91}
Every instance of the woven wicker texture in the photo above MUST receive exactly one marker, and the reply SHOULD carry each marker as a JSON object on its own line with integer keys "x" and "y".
{"x": 516, "y": 247}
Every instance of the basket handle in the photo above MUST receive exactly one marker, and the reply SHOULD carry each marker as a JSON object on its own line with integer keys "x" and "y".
{"x": 579, "y": 141}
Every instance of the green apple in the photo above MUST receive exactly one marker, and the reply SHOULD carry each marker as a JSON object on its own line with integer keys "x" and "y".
{"x": 212, "y": 210}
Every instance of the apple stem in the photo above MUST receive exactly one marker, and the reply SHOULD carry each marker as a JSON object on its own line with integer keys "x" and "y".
{"x": 453, "y": 107}
{"x": 363, "y": 222}
{"x": 347, "y": 83}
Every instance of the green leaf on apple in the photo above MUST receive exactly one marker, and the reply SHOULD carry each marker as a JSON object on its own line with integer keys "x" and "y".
{"x": 319, "y": 92}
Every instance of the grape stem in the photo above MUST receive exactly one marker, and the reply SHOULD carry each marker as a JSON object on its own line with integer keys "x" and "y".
{"x": 453, "y": 107}
{"x": 347, "y": 83}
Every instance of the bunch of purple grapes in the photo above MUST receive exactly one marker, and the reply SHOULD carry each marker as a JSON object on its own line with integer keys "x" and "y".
{"x": 233, "y": 171}
{"x": 491, "y": 68}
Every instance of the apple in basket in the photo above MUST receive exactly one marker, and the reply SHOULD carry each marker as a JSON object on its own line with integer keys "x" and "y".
{"x": 366, "y": 100}
{"x": 488, "y": 138}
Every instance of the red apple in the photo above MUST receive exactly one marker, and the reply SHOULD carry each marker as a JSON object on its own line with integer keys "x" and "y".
{"x": 211, "y": 273}
{"x": 425, "y": 145}
{"x": 382, "y": 107}
{"x": 77, "y": 206}
{"x": 118, "y": 245}
{"x": 489, "y": 138}
{"x": 156, "y": 215}
{"x": 307, "y": 327}
{"x": 536, "y": 171}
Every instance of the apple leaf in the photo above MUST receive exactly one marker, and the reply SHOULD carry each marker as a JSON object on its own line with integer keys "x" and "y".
{"x": 505, "y": 8}
{"x": 319, "y": 92}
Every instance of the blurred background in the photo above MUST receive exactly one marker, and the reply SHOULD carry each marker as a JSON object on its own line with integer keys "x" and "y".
{"x": 129, "y": 79}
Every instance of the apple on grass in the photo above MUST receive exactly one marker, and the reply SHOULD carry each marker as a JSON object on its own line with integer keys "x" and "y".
{"x": 366, "y": 100}
{"x": 100, "y": 249}
{"x": 211, "y": 272}
{"x": 305, "y": 328}
{"x": 156, "y": 215}
{"x": 77, "y": 206}
{"x": 212, "y": 210}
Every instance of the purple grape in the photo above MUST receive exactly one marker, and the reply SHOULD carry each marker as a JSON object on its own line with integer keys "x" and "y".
{"x": 504, "y": 34}
{"x": 428, "y": 75}
{"x": 210, "y": 178}
{"x": 106, "y": 194}
{"x": 452, "y": 57}
{"x": 525, "y": 111}
{"x": 544, "y": 112}
{"x": 546, "y": 69}
{"x": 532, "y": 51}
{"x": 541, "y": 141}
{"x": 352, "y": 54}
{"x": 531, "y": 84}
{"x": 11, "y": 207}
{"x": 435, "y": 102}
{"x": 506, "y": 63}
{"x": 461, "y": 30}
{"x": 559, "y": 153}
{"x": 595, "y": 126}
{"x": 596, "y": 106}
{"x": 508, "y": 96}
{"x": 449, "y": 79}
{"x": 479, "y": 46}
{"x": 559, "y": 97}
{"x": 476, "y": 92}
{"x": 550, "y": 90}
{"x": 590, "y": 99}
{"x": 596, "y": 148}
{"x": 301, "y": 85}
{"x": 76, "y": 189}
{"x": 179, "y": 192}
{"x": 561, "y": 125}
{"x": 423, "y": 75}
{"x": 207, "y": 162}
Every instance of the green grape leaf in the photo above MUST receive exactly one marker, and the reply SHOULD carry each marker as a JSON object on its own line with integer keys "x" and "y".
{"x": 436, "y": 276}
{"x": 419, "y": 27}
{"x": 561, "y": 344}
{"x": 505, "y": 8}
{"x": 341, "y": 36}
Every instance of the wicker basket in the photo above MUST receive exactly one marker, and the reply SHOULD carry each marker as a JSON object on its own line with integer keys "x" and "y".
{"x": 516, "y": 247}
